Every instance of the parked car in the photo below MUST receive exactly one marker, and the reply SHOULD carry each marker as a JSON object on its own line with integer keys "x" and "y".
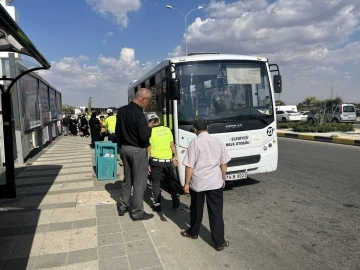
{"x": 304, "y": 116}
{"x": 286, "y": 116}
{"x": 344, "y": 113}
{"x": 358, "y": 113}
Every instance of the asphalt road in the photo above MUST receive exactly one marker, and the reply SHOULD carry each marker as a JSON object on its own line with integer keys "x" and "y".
{"x": 306, "y": 215}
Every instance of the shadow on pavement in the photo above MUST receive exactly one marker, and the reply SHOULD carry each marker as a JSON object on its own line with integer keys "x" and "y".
{"x": 25, "y": 220}
{"x": 240, "y": 183}
{"x": 180, "y": 216}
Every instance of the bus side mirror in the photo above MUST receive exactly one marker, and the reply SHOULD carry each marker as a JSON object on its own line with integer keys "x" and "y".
{"x": 174, "y": 85}
{"x": 277, "y": 84}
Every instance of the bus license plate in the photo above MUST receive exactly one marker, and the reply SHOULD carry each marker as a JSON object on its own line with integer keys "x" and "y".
{"x": 236, "y": 176}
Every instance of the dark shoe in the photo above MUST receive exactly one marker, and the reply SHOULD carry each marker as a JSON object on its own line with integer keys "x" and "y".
{"x": 176, "y": 203}
{"x": 157, "y": 208}
{"x": 225, "y": 245}
{"x": 122, "y": 212}
{"x": 185, "y": 234}
{"x": 145, "y": 216}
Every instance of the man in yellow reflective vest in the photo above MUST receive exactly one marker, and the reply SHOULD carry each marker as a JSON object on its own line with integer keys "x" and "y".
{"x": 162, "y": 157}
{"x": 110, "y": 124}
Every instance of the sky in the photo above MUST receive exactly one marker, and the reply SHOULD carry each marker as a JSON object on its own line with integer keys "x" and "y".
{"x": 98, "y": 47}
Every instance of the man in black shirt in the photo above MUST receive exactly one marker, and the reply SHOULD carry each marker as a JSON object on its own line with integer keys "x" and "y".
{"x": 133, "y": 133}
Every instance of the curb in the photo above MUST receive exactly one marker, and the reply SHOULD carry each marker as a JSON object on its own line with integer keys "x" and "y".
{"x": 309, "y": 137}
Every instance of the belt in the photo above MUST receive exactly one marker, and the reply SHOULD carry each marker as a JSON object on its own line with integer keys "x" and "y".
{"x": 161, "y": 160}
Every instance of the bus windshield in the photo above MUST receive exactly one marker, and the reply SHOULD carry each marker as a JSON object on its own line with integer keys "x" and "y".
{"x": 224, "y": 90}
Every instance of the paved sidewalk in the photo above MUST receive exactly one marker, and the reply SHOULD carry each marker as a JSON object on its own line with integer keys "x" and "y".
{"x": 64, "y": 218}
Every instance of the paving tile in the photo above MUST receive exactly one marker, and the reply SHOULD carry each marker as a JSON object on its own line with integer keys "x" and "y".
{"x": 89, "y": 265}
{"x": 110, "y": 239}
{"x": 84, "y": 232}
{"x": 112, "y": 251}
{"x": 27, "y": 245}
{"x": 59, "y": 234}
{"x": 125, "y": 219}
{"x": 105, "y": 207}
{"x": 81, "y": 256}
{"x": 86, "y": 184}
{"x": 106, "y": 213}
{"x": 67, "y": 197}
{"x": 71, "y": 185}
{"x": 51, "y": 260}
{"x": 38, "y": 217}
{"x": 84, "y": 223}
{"x": 120, "y": 263}
{"x": 55, "y": 245}
{"x": 107, "y": 220}
{"x": 50, "y": 199}
{"x": 148, "y": 260}
{"x": 40, "y": 189}
{"x": 129, "y": 226}
{"x": 135, "y": 235}
{"x": 19, "y": 263}
{"x": 12, "y": 231}
{"x": 61, "y": 226}
{"x": 63, "y": 215}
{"x": 6, "y": 245}
{"x": 45, "y": 180}
{"x": 35, "y": 229}
{"x": 139, "y": 246}
{"x": 66, "y": 205}
{"x": 86, "y": 189}
{"x": 83, "y": 243}
{"x": 85, "y": 212}
{"x": 107, "y": 229}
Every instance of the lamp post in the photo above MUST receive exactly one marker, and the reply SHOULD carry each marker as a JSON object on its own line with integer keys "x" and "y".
{"x": 185, "y": 18}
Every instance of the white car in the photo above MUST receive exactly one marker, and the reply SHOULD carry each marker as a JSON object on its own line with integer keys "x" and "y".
{"x": 288, "y": 116}
{"x": 304, "y": 116}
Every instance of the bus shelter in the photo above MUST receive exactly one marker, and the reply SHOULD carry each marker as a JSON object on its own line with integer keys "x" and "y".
{"x": 14, "y": 41}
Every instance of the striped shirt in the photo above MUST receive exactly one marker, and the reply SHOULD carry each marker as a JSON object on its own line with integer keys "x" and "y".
{"x": 205, "y": 154}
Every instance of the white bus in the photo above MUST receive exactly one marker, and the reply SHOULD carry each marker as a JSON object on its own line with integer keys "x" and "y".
{"x": 234, "y": 93}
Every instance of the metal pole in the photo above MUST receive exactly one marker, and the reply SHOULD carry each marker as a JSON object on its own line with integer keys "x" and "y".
{"x": 10, "y": 191}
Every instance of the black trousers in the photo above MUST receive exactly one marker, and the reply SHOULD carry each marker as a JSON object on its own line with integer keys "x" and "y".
{"x": 159, "y": 171}
{"x": 214, "y": 200}
{"x": 112, "y": 137}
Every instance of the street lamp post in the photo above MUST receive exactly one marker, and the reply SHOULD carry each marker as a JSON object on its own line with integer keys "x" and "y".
{"x": 185, "y": 18}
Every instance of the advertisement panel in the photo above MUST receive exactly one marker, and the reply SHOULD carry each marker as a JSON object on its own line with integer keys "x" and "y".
{"x": 58, "y": 105}
{"x": 44, "y": 93}
{"x": 53, "y": 109}
{"x": 29, "y": 91}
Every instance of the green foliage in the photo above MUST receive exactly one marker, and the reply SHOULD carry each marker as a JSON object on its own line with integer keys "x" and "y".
{"x": 68, "y": 109}
{"x": 279, "y": 103}
{"x": 320, "y": 128}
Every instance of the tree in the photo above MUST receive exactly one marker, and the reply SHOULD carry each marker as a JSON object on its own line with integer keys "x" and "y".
{"x": 68, "y": 109}
{"x": 90, "y": 104}
{"x": 279, "y": 103}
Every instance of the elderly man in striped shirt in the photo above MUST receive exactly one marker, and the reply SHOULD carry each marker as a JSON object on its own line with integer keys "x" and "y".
{"x": 206, "y": 163}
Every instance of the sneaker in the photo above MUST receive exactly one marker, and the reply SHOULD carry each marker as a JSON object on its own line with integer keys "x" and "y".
{"x": 122, "y": 212}
{"x": 145, "y": 216}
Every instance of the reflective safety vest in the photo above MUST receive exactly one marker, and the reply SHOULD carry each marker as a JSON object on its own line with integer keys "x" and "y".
{"x": 110, "y": 123}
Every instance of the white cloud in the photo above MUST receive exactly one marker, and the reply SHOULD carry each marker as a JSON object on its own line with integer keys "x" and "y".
{"x": 106, "y": 81}
{"x": 309, "y": 39}
{"x": 115, "y": 9}
{"x": 108, "y": 34}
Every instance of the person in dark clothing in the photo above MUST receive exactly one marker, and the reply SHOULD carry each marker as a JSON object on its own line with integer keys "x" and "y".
{"x": 66, "y": 123}
{"x": 95, "y": 128}
{"x": 85, "y": 126}
{"x": 132, "y": 134}
{"x": 73, "y": 126}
